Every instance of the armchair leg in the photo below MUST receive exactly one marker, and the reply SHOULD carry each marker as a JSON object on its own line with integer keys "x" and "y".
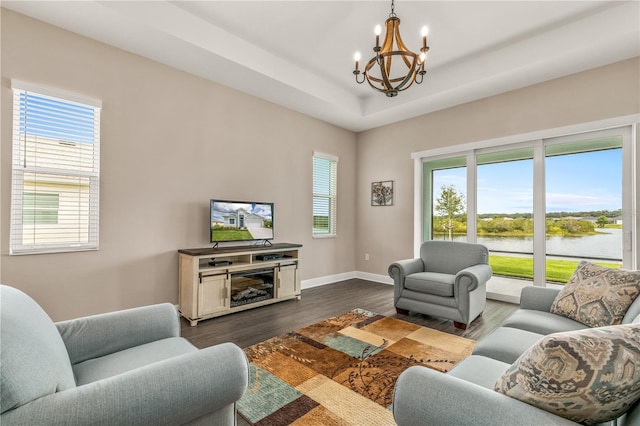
{"x": 459, "y": 325}
{"x": 402, "y": 311}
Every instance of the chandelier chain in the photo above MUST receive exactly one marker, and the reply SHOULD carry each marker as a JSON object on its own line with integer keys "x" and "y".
{"x": 393, "y": 13}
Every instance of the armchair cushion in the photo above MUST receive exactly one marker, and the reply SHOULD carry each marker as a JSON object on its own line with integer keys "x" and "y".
{"x": 33, "y": 360}
{"x": 431, "y": 283}
{"x": 597, "y": 296}
{"x": 588, "y": 376}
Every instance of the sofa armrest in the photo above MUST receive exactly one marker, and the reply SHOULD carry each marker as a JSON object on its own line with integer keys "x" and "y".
{"x": 428, "y": 397}
{"x": 472, "y": 276}
{"x": 171, "y": 392}
{"x": 99, "y": 335}
{"x": 538, "y": 298}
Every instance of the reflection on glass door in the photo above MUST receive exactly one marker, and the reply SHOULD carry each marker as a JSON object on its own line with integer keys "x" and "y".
{"x": 583, "y": 204}
{"x": 505, "y": 215}
{"x": 445, "y": 199}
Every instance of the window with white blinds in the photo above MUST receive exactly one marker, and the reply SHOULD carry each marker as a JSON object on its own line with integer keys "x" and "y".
{"x": 55, "y": 171}
{"x": 325, "y": 176}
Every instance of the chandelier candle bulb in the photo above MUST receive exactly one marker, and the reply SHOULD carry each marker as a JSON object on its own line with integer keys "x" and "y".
{"x": 425, "y": 32}
{"x": 356, "y": 57}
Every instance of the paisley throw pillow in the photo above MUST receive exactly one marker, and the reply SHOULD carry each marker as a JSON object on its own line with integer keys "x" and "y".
{"x": 588, "y": 376}
{"x": 597, "y": 296}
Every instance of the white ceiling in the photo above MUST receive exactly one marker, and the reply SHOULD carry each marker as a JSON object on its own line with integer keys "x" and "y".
{"x": 299, "y": 54}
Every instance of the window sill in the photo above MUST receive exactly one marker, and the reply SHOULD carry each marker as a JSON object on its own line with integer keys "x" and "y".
{"x": 320, "y": 236}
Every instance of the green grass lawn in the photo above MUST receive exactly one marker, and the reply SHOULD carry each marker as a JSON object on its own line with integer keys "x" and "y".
{"x": 613, "y": 226}
{"x": 520, "y": 267}
{"x": 231, "y": 235}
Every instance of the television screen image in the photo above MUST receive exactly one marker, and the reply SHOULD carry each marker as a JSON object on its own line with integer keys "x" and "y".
{"x": 241, "y": 221}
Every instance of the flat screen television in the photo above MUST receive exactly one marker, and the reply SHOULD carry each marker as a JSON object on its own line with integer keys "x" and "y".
{"x": 241, "y": 221}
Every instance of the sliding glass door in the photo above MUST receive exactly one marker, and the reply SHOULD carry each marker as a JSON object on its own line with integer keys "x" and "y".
{"x": 540, "y": 206}
{"x": 584, "y": 208}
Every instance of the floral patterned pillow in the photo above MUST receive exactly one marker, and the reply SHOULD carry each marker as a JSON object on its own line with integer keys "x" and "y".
{"x": 588, "y": 376}
{"x": 597, "y": 296}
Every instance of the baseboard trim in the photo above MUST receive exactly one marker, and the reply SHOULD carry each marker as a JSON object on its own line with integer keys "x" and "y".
{"x": 384, "y": 279}
{"x": 503, "y": 297}
{"x": 330, "y": 279}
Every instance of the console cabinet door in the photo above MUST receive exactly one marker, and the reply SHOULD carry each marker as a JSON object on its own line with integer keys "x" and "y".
{"x": 288, "y": 281}
{"x": 213, "y": 294}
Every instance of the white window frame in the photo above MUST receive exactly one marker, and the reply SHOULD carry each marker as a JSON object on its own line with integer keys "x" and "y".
{"x": 332, "y": 197}
{"x": 89, "y": 171}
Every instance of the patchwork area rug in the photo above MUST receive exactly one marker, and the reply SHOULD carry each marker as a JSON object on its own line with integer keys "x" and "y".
{"x": 341, "y": 371}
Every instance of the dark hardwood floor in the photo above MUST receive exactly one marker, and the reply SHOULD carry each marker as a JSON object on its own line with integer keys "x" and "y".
{"x": 255, "y": 325}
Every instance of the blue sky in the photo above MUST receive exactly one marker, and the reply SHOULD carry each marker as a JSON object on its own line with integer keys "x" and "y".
{"x": 55, "y": 118}
{"x": 576, "y": 182}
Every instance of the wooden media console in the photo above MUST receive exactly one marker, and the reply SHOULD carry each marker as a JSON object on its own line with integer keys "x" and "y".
{"x": 220, "y": 281}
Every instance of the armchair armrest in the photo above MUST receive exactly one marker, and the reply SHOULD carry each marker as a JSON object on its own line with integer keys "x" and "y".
{"x": 171, "y": 392}
{"x": 425, "y": 396}
{"x": 538, "y": 298}
{"x": 99, "y": 335}
{"x": 400, "y": 269}
{"x": 473, "y": 276}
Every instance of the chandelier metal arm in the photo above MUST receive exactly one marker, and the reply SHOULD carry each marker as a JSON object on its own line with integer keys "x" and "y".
{"x": 401, "y": 46}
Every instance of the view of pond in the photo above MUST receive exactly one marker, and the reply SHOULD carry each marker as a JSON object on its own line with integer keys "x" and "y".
{"x": 601, "y": 246}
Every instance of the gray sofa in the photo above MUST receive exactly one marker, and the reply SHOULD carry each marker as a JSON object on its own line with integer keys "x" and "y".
{"x": 122, "y": 368}
{"x": 465, "y": 395}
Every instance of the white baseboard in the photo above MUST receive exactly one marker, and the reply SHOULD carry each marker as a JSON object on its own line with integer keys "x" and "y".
{"x": 330, "y": 279}
{"x": 503, "y": 297}
{"x": 384, "y": 279}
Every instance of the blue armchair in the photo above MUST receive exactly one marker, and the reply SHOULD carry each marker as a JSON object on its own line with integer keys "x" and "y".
{"x": 448, "y": 281}
{"x": 122, "y": 368}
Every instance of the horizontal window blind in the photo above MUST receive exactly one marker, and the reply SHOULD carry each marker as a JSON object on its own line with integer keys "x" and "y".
{"x": 55, "y": 173}
{"x": 325, "y": 173}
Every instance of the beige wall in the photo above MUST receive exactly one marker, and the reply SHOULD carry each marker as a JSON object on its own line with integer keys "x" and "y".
{"x": 170, "y": 142}
{"x": 386, "y": 233}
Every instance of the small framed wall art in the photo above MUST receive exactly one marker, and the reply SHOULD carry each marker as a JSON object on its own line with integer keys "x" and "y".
{"x": 382, "y": 193}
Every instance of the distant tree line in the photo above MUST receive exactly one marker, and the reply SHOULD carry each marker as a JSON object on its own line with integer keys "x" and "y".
{"x": 556, "y": 215}
{"x": 513, "y": 227}
{"x": 450, "y": 219}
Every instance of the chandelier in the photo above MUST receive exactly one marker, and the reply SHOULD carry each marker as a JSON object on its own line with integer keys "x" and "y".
{"x": 382, "y": 72}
